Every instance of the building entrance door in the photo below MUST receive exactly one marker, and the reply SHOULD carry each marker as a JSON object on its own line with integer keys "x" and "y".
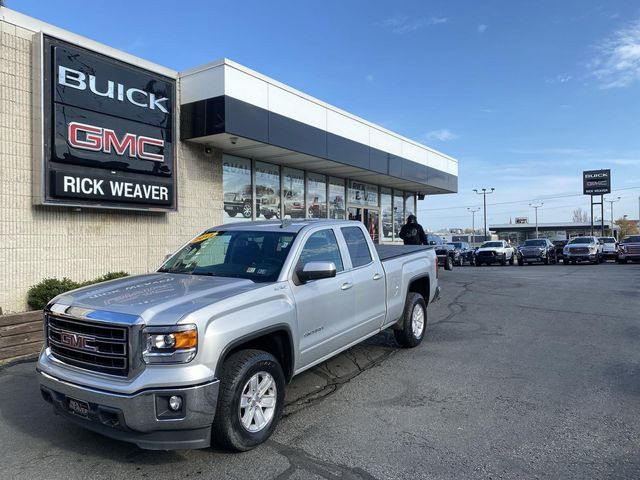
{"x": 371, "y": 219}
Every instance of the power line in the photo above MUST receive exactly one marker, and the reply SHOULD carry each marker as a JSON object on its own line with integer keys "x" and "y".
{"x": 522, "y": 201}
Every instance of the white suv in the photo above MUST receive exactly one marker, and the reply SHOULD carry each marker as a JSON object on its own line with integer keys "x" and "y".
{"x": 609, "y": 248}
{"x": 496, "y": 251}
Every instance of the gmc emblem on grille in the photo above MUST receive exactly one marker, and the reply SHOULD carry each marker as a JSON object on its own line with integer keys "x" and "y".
{"x": 78, "y": 341}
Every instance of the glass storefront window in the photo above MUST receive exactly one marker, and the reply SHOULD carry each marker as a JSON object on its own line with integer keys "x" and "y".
{"x": 387, "y": 214}
{"x": 398, "y": 213}
{"x": 293, "y": 192}
{"x": 236, "y": 187}
{"x": 316, "y": 195}
{"x": 363, "y": 194}
{"x": 267, "y": 191}
{"x": 336, "y": 198}
{"x": 371, "y": 195}
{"x": 410, "y": 205}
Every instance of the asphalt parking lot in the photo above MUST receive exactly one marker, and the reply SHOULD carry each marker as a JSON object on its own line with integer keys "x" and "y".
{"x": 526, "y": 372}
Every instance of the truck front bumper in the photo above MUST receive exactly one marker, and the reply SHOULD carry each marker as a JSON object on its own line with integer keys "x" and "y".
{"x": 143, "y": 418}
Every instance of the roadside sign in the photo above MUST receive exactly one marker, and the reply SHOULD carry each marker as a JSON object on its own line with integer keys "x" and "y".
{"x": 596, "y": 182}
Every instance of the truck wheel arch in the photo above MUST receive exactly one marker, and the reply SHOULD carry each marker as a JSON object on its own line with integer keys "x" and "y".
{"x": 276, "y": 339}
{"x": 421, "y": 285}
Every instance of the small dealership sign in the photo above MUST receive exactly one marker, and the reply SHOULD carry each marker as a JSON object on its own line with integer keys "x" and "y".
{"x": 105, "y": 130}
{"x": 596, "y": 182}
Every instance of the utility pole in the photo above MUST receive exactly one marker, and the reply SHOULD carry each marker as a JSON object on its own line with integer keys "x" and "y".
{"x": 473, "y": 223}
{"x": 484, "y": 194}
{"x": 611, "y": 202}
{"x": 532, "y": 205}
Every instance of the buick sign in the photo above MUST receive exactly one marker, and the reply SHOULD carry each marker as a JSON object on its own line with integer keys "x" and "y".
{"x": 108, "y": 136}
{"x": 596, "y": 182}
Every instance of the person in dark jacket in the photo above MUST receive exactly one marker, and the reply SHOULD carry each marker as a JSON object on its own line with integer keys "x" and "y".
{"x": 412, "y": 232}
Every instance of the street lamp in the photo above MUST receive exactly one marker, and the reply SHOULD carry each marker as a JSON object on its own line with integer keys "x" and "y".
{"x": 532, "y": 205}
{"x": 611, "y": 202}
{"x": 484, "y": 194}
{"x": 473, "y": 223}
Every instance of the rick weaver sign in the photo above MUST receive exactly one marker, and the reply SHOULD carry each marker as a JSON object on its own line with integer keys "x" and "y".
{"x": 107, "y": 131}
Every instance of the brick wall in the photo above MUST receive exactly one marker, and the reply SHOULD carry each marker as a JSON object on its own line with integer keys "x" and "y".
{"x": 37, "y": 242}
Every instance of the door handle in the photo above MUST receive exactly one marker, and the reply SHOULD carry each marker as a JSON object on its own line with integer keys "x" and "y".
{"x": 346, "y": 286}
{"x": 377, "y": 276}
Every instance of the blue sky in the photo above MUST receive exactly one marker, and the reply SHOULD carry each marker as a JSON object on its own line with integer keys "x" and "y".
{"x": 525, "y": 95}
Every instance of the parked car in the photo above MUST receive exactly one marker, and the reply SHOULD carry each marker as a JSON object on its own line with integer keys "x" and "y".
{"x": 444, "y": 254}
{"x": 629, "y": 249}
{"x": 495, "y": 251}
{"x": 203, "y": 348}
{"x": 537, "y": 250}
{"x": 582, "y": 249}
{"x": 466, "y": 254}
{"x": 609, "y": 248}
{"x": 559, "y": 244}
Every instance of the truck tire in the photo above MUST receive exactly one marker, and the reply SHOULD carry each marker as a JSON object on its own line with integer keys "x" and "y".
{"x": 503, "y": 260}
{"x": 410, "y": 330}
{"x": 478, "y": 263}
{"x": 245, "y": 417}
{"x": 520, "y": 262}
{"x": 511, "y": 260}
{"x": 448, "y": 263}
{"x": 233, "y": 213}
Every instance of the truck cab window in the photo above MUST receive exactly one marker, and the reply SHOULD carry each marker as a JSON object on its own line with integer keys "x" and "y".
{"x": 321, "y": 247}
{"x": 357, "y": 245}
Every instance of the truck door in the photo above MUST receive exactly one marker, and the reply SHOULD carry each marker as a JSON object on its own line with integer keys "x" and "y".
{"x": 323, "y": 306}
{"x": 369, "y": 290}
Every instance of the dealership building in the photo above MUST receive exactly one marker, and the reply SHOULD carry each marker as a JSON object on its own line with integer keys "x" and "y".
{"x": 108, "y": 162}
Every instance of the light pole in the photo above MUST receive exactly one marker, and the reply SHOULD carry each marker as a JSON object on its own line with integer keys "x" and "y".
{"x": 484, "y": 194}
{"x": 611, "y": 202}
{"x": 533, "y": 205}
{"x": 473, "y": 224}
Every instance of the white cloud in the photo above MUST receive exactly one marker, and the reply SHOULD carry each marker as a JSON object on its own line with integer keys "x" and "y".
{"x": 618, "y": 61}
{"x": 560, "y": 79}
{"x": 482, "y": 28}
{"x": 443, "y": 135}
{"x": 401, "y": 24}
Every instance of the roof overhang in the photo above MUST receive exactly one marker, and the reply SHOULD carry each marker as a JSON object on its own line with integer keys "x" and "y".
{"x": 244, "y": 113}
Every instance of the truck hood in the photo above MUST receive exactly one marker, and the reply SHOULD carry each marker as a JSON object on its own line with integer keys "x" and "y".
{"x": 156, "y": 298}
{"x": 488, "y": 249}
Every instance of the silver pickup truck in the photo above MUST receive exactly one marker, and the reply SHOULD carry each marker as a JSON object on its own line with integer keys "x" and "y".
{"x": 201, "y": 350}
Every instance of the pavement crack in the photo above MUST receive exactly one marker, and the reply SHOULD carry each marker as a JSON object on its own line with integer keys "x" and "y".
{"x": 455, "y": 307}
{"x": 299, "y": 460}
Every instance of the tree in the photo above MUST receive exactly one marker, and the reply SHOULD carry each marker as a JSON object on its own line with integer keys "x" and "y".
{"x": 580, "y": 216}
{"x": 627, "y": 227}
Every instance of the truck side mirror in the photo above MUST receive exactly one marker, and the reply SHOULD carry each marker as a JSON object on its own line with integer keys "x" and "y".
{"x": 316, "y": 271}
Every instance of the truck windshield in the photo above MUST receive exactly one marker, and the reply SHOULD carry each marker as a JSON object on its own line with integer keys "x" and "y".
{"x": 256, "y": 256}
{"x": 534, "y": 243}
{"x": 582, "y": 240}
{"x": 491, "y": 244}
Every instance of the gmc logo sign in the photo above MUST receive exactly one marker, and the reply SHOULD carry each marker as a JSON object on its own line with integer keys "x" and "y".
{"x": 98, "y": 139}
{"x": 81, "y": 342}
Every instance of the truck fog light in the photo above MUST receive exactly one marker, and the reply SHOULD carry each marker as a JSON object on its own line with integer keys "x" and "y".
{"x": 175, "y": 403}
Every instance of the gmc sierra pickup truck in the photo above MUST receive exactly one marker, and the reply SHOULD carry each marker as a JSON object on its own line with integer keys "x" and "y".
{"x": 201, "y": 349}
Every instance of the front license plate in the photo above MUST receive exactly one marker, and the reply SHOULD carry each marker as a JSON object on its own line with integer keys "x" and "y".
{"x": 78, "y": 407}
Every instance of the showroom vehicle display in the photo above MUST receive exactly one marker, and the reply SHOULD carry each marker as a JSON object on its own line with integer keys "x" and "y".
{"x": 629, "y": 249}
{"x": 496, "y": 251}
{"x": 582, "y": 249}
{"x": 537, "y": 250}
{"x": 464, "y": 252}
{"x": 609, "y": 248}
{"x": 202, "y": 348}
{"x": 238, "y": 202}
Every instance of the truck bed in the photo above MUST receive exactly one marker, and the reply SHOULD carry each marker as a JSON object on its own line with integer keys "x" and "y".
{"x": 385, "y": 252}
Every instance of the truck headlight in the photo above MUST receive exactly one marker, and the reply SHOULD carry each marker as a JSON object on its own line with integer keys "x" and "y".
{"x": 565, "y": 250}
{"x": 175, "y": 344}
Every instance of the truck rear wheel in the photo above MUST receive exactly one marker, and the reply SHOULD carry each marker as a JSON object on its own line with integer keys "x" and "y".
{"x": 250, "y": 401}
{"x": 410, "y": 331}
{"x": 448, "y": 263}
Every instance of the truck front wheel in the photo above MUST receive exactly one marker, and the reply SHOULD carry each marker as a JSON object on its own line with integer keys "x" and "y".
{"x": 410, "y": 330}
{"x": 250, "y": 400}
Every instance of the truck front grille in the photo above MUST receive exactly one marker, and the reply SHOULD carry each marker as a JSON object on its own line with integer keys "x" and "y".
{"x": 90, "y": 345}
{"x": 579, "y": 250}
